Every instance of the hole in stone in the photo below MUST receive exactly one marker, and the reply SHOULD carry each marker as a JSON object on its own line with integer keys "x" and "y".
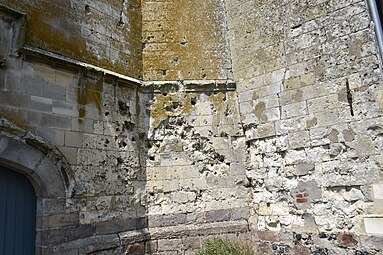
{"x": 193, "y": 101}
{"x": 183, "y": 42}
{"x": 151, "y": 157}
{"x": 87, "y": 8}
{"x": 297, "y": 26}
{"x": 175, "y": 105}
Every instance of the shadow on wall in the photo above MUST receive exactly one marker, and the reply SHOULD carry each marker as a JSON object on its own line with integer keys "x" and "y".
{"x": 85, "y": 132}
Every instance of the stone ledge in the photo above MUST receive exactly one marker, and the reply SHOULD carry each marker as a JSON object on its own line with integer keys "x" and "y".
{"x": 188, "y": 86}
{"x": 29, "y": 50}
{"x": 198, "y": 230}
{"x": 222, "y": 215}
{"x": 99, "y": 242}
{"x": 117, "y": 226}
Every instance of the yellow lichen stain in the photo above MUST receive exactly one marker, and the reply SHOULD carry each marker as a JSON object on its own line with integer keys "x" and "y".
{"x": 89, "y": 93}
{"x": 355, "y": 48}
{"x": 219, "y": 104}
{"x": 316, "y": 11}
{"x": 226, "y": 117}
{"x": 379, "y": 99}
{"x": 195, "y": 46}
{"x": 59, "y": 28}
{"x": 169, "y": 105}
{"x": 16, "y": 118}
{"x": 259, "y": 111}
{"x": 218, "y": 101}
{"x": 259, "y": 3}
{"x": 50, "y": 27}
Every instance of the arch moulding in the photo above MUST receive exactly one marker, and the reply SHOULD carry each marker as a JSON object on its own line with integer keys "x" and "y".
{"x": 44, "y": 166}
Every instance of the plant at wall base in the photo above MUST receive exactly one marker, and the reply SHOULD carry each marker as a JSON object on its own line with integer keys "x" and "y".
{"x": 225, "y": 246}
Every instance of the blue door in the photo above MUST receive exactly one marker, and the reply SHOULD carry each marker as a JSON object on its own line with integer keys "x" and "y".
{"x": 17, "y": 214}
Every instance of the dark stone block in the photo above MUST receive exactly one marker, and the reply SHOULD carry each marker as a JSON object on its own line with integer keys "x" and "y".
{"x": 218, "y": 215}
{"x": 135, "y": 249}
{"x": 267, "y": 235}
{"x": 109, "y": 227}
{"x": 347, "y": 240}
{"x": 66, "y": 234}
{"x": 142, "y": 222}
{"x": 240, "y": 214}
{"x": 301, "y": 250}
{"x": 167, "y": 220}
{"x": 151, "y": 247}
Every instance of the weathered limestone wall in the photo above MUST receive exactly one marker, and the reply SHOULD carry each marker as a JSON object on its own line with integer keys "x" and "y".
{"x": 95, "y": 122}
{"x": 313, "y": 167}
{"x": 195, "y": 172}
{"x": 288, "y": 155}
{"x": 185, "y": 40}
{"x": 106, "y": 34}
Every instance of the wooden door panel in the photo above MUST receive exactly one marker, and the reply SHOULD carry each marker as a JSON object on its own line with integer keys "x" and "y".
{"x": 17, "y": 214}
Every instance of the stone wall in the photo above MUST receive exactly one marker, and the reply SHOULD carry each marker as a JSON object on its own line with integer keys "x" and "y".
{"x": 257, "y": 120}
{"x": 106, "y": 34}
{"x": 95, "y": 121}
{"x": 310, "y": 94}
{"x": 195, "y": 173}
{"x": 185, "y": 40}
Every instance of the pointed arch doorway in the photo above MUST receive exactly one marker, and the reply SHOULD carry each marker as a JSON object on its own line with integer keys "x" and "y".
{"x": 17, "y": 214}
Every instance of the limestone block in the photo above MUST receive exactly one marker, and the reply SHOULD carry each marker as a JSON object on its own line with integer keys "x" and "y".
{"x": 169, "y": 244}
{"x": 373, "y": 225}
{"x": 305, "y": 193}
{"x": 294, "y": 110}
{"x": 378, "y": 191}
{"x": 261, "y": 131}
{"x": 291, "y": 125}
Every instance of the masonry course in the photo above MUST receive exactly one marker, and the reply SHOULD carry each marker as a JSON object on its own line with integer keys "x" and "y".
{"x": 191, "y": 120}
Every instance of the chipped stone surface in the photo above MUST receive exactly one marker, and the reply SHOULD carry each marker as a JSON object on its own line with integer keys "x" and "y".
{"x": 96, "y": 33}
{"x": 185, "y": 40}
{"x": 242, "y": 126}
{"x": 291, "y": 62}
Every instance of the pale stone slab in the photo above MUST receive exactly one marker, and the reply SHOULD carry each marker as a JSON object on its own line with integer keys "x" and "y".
{"x": 373, "y": 225}
{"x": 378, "y": 191}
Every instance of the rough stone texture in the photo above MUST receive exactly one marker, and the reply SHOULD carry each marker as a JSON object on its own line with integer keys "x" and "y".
{"x": 310, "y": 163}
{"x": 242, "y": 127}
{"x": 102, "y": 33}
{"x": 195, "y": 156}
{"x": 185, "y": 40}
